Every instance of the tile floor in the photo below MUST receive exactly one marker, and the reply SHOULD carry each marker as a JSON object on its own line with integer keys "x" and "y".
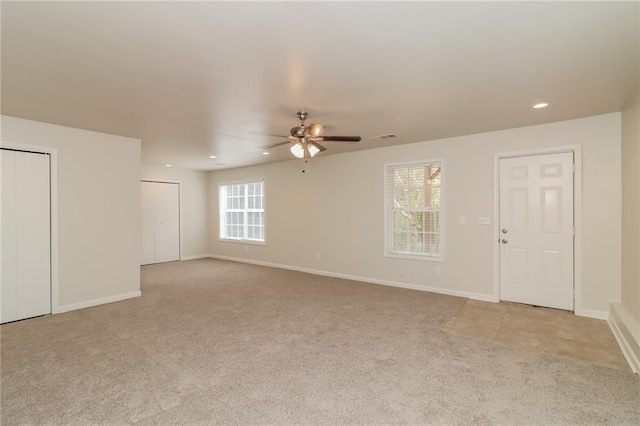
{"x": 539, "y": 329}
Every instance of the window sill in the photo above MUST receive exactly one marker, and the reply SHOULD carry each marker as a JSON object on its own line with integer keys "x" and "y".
{"x": 438, "y": 259}
{"x": 252, "y": 242}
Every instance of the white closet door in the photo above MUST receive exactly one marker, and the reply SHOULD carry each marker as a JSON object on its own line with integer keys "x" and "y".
{"x": 26, "y": 236}
{"x": 160, "y": 222}
{"x": 8, "y": 256}
{"x": 167, "y": 222}
{"x": 148, "y": 223}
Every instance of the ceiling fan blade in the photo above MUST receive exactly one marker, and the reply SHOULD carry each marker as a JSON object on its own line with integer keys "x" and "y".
{"x": 276, "y": 136}
{"x": 230, "y": 136}
{"x": 340, "y": 138}
{"x": 317, "y": 145}
{"x": 275, "y": 145}
{"x": 253, "y": 133}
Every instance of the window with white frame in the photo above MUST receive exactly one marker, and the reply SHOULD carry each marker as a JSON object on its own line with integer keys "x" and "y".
{"x": 242, "y": 211}
{"x": 413, "y": 200}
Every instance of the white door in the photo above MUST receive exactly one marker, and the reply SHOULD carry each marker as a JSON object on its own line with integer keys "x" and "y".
{"x": 167, "y": 222}
{"x": 25, "y": 289}
{"x": 147, "y": 192}
{"x": 536, "y": 230}
{"x": 160, "y": 222}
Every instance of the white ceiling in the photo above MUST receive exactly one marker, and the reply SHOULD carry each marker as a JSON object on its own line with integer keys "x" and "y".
{"x": 206, "y": 78}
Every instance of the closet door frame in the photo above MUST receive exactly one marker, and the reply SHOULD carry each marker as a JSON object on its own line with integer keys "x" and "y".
{"x": 53, "y": 195}
{"x": 179, "y": 182}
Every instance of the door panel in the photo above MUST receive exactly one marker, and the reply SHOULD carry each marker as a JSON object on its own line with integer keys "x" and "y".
{"x": 9, "y": 255}
{"x": 536, "y": 223}
{"x": 551, "y": 269}
{"x": 147, "y": 190}
{"x": 551, "y": 210}
{"x": 167, "y": 222}
{"x": 26, "y": 235}
{"x": 519, "y": 212}
{"x": 34, "y": 234}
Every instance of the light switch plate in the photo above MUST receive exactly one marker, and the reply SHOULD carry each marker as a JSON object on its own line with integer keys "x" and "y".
{"x": 484, "y": 220}
{"x": 462, "y": 219}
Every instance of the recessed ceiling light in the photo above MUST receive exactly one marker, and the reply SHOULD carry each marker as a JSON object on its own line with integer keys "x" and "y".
{"x": 541, "y": 105}
{"x": 168, "y": 165}
{"x": 212, "y": 156}
{"x": 265, "y": 153}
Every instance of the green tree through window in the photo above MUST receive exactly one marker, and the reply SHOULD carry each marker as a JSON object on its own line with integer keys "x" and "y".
{"x": 413, "y": 197}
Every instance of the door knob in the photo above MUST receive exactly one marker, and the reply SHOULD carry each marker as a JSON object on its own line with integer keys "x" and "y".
{"x": 504, "y": 230}
{"x": 504, "y": 241}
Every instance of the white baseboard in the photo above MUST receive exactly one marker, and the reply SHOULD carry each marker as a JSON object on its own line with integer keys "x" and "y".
{"x": 603, "y": 315}
{"x": 627, "y": 332}
{"x": 197, "y": 256}
{"x": 449, "y": 292}
{"x": 96, "y": 302}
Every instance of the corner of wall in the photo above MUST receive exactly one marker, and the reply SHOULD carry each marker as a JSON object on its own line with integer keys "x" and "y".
{"x": 627, "y": 332}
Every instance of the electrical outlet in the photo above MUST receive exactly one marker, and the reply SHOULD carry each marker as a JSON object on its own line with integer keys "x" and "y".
{"x": 246, "y": 248}
{"x": 437, "y": 270}
{"x": 317, "y": 255}
{"x": 462, "y": 219}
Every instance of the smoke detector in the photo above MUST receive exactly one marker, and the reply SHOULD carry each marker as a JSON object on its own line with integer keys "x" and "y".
{"x": 385, "y": 136}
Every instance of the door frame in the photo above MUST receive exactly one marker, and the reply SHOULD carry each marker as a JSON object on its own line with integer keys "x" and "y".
{"x": 53, "y": 207}
{"x": 577, "y": 218}
{"x": 179, "y": 182}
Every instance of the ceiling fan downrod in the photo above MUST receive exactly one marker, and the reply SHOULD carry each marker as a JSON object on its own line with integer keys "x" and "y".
{"x": 302, "y": 115}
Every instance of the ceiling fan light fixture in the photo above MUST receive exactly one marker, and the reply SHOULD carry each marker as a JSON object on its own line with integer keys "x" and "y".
{"x": 297, "y": 150}
{"x": 306, "y": 139}
{"x": 313, "y": 150}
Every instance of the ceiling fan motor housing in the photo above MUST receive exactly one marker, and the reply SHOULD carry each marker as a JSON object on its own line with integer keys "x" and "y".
{"x": 299, "y": 131}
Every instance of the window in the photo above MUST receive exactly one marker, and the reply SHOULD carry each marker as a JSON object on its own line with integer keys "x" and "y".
{"x": 413, "y": 214}
{"x": 242, "y": 211}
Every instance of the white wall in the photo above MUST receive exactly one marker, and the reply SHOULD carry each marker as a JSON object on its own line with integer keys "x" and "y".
{"x": 631, "y": 207}
{"x": 625, "y": 316}
{"x": 193, "y": 206}
{"x": 336, "y": 209}
{"x": 98, "y": 210}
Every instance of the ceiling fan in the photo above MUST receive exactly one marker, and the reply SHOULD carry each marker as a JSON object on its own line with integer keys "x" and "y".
{"x": 306, "y": 139}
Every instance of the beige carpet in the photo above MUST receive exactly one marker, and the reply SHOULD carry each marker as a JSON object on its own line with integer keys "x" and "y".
{"x": 220, "y": 342}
